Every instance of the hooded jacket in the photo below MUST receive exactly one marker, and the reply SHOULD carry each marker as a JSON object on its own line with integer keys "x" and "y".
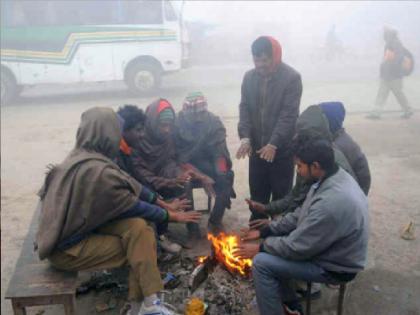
{"x": 311, "y": 122}
{"x": 154, "y": 160}
{"x": 87, "y": 189}
{"x": 335, "y": 114}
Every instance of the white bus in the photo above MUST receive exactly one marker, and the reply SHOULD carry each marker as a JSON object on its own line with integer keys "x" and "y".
{"x": 71, "y": 41}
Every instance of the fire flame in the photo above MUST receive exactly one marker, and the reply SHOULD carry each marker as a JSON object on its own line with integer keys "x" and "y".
{"x": 202, "y": 259}
{"x": 224, "y": 246}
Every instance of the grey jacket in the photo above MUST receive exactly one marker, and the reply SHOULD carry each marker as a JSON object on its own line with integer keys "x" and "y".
{"x": 331, "y": 228}
{"x": 356, "y": 158}
{"x": 268, "y": 113}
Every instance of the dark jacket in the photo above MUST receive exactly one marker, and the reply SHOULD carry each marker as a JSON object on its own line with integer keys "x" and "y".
{"x": 356, "y": 158}
{"x": 314, "y": 123}
{"x": 391, "y": 68}
{"x": 155, "y": 162}
{"x": 268, "y": 112}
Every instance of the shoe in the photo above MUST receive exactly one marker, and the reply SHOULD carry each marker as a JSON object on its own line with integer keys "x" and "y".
{"x": 373, "y": 116}
{"x": 315, "y": 291}
{"x": 156, "y": 309}
{"x": 169, "y": 246}
{"x": 407, "y": 115}
{"x": 292, "y": 308}
{"x": 167, "y": 258}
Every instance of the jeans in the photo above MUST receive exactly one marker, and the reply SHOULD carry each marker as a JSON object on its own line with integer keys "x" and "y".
{"x": 273, "y": 277}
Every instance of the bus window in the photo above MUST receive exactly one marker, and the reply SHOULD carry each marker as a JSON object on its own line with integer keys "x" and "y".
{"x": 142, "y": 12}
{"x": 170, "y": 14}
{"x": 12, "y": 14}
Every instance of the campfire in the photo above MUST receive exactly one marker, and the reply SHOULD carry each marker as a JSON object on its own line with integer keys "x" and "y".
{"x": 222, "y": 251}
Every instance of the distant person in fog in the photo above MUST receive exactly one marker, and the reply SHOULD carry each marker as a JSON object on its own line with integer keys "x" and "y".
{"x": 397, "y": 63}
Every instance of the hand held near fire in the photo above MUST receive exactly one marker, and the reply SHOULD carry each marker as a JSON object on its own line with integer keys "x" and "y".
{"x": 189, "y": 216}
{"x": 267, "y": 152}
{"x": 249, "y": 234}
{"x": 258, "y": 224}
{"x": 256, "y": 206}
{"x": 175, "y": 205}
{"x": 246, "y": 250}
{"x": 244, "y": 149}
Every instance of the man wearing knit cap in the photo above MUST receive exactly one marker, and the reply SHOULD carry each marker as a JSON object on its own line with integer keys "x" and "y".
{"x": 269, "y": 107}
{"x": 201, "y": 141}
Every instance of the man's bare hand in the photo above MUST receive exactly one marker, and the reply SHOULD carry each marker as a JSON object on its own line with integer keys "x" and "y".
{"x": 258, "y": 224}
{"x": 177, "y": 205}
{"x": 246, "y": 251}
{"x": 249, "y": 234}
{"x": 267, "y": 152}
{"x": 187, "y": 216}
{"x": 244, "y": 150}
{"x": 208, "y": 183}
{"x": 183, "y": 178}
{"x": 256, "y": 206}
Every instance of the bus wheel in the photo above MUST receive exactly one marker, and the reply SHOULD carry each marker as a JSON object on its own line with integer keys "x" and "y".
{"x": 9, "y": 90}
{"x": 143, "y": 78}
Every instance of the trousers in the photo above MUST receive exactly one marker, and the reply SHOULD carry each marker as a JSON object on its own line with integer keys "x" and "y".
{"x": 124, "y": 242}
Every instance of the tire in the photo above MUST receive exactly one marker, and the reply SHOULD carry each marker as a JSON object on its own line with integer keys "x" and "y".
{"x": 9, "y": 90}
{"x": 143, "y": 78}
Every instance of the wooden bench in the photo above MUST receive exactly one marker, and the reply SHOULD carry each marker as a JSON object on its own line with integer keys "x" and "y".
{"x": 35, "y": 282}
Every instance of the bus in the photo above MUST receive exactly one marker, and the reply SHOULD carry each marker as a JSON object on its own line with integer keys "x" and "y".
{"x": 74, "y": 41}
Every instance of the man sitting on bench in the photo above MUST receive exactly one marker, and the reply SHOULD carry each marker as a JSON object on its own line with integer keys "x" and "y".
{"x": 90, "y": 214}
{"x": 324, "y": 240}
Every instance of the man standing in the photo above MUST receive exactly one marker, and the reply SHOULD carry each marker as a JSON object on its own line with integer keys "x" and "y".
{"x": 325, "y": 240}
{"x": 270, "y": 99}
{"x": 397, "y": 63}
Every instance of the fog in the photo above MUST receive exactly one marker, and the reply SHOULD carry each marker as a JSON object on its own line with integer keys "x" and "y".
{"x": 336, "y": 46}
{"x": 64, "y": 68}
{"x": 222, "y": 31}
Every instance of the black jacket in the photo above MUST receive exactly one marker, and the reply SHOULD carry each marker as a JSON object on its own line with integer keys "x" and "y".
{"x": 392, "y": 69}
{"x": 356, "y": 158}
{"x": 268, "y": 113}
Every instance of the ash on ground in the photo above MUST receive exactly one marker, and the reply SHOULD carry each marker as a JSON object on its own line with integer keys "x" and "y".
{"x": 223, "y": 292}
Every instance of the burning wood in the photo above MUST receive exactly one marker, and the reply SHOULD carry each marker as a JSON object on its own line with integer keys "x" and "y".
{"x": 223, "y": 247}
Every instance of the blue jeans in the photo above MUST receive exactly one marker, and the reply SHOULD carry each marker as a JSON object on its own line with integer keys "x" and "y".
{"x": 273, "y": 276}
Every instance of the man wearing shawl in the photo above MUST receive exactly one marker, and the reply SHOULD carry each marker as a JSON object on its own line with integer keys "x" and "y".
{"x": 201, "y": 141}
{"x": 269, "y": 107}
{"x": 155, "y": 159}
{"x": 90, "y": 213}
{"x": 133, "y": 121}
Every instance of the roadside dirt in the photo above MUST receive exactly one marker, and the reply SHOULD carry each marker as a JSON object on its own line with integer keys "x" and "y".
{"x": 33, "y": 136}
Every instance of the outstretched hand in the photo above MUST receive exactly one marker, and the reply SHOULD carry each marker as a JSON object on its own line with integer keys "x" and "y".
{"x": 258, "y": 224}
{"x": 256, "y": 206}
{"x": 249, "y": 234}
{"x": 187, "y": 216}
{"x": 244, "y": 150}
{"x": 178, "y": 205}
{"x": 267, "y": 152}
{"x": 246, "y": 250}
{"x": 208, "y": 183}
